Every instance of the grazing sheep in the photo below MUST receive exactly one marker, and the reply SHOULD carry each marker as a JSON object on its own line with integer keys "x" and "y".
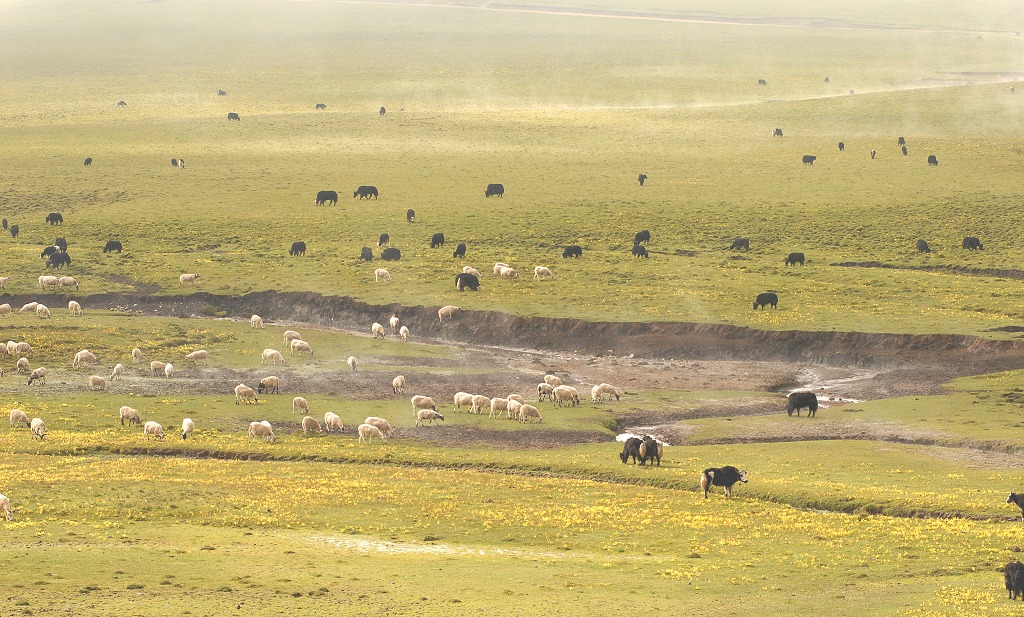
{"x": 31, "y": 306}
{"x": 68, "y": 281}
{"x": 380, "y": 274}
{"x": 427, "y": 415}
{"x": 187, "y": 428}
{"x": 273, "y": 356}
{"x": 446, "y": 312}
{"x": 131, "y": 415}
{"x": 245, "y": 394}
{"x": 156, "y": 367}
{"x": 393, "y": 322}
{"x": 84, "y": 357}
{"x": 333, "y": 422}
{"x": 541, "y": 273}
{"x": 198, "y": 356}
{"x": 516, "y": 397}
{"x": 544, "y": 389}
{"x": 383, "y": 425}
{"x": 74, "y": 308}
{"x": 422, "y": 402}
{"x": 479, "y": 402}
{"x": 498, "y": 266}
{"x": 5, "y": 310}
{"x": 309, "y": 423}
{"x": 18, "y": 416}
{"x": 377, "y": 330}
{"x": 48, "y": 281}
{"x": 42, "y": 312}
{"x": 368, "y": 431}
{"x": 404, "y": 333}
{"x": 351, "y": 362}
{"x": 38, "y": 374}
{"x": 553, "y": 381}
{"x": 5, "y": 506}
{"x": 291, "y": 335}
{"x": 38, "y": 428}
{"x": 22, "y": 366}
{"x": 256, "y": 321}
{"x": 508, "y": 273}
{"x": 270, "y": 384}
{"x": 462, "y": 398}
{"x": 398, "y": 384}
{"x": 115, "y": 374}
{"x": 188, "y": 278}
{"x": 136, "y": 356}
{"x": 498, "y": 405}
{"x": 469, "y": 270}
{"x": 563, "y": 395}
{"x": 262, "y": 429}
{"x": 11, "y": 347}
{"x": 4, "y": 280}
{"x": 529, "y": 412}
{"x": 599, "y": 392}
{"x": 512, "y": 412}
{"x": 300, "y": 346}
{"x": 97, "y": 383}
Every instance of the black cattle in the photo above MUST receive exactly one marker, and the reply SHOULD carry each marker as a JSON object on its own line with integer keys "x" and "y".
{"x": 365, "y": 192}
{"x": 795, "y": 258}
{"x": 410, "y": 215}
{"x": 872, "y": 154}
{"x": 323, "y": 197}
{"x": 14, "y": 231}
{"x": 460, "y": 251}
{"x": 631, "y": 448}
{"x": 642, "y": 236}
{"x": 777, "y": 133}
{"x": 639, "y": 251}
{"x": 801, "y": 399}
{"x": 1019, "y": 500}
{"x": 62, "y": 243}
{"x": 1013, "y": 575}
{"x": 383, "y": 240}
{"x": 299, "y": 249}
{"x": 111, "y": 246}
{"x": 572, "y": 250}
{"x": 366, "y": 254}
{"x": 922, "y": 247}
{"x": 55, "y": 218}
{"x": 50, "y": 250}
{"x": 651, "y": 449}
{"x": 764, "y": 299}
{"x": 436, "y": 240}
{"x": 58, "y": 260}
{"x": 762, "y": 82}
{"x": 842, "y": 146}
{"x": 383, "y": 111}
{"x": 179, "y": 163}
{"x": 970, "y": 243}
{"x": 904, "y": 149}
{"x": 464, "y": 281}
{"x": 901, "y": 142}
{"x": 391, "y": 254}
{"x": 88, "y": 161}
{"x": 3, "y": 223}
{"x": 494, "y": 189}
{"x": 721, "y": 476}
{"x": 122, "y": 104}
{"x": 221, "y": 93}
{"x": 174, "y": 162}
{"x": 851, "y": 92}
{"x": 932, "y": 160}
{"x": 641, "y": 179}
{"x": 740, "y": 243}
{"x": 809, "y": 159}
{"x": 826, "y": 79}
{"x": 320, "y": 106}
{"x": 233, "y": 116}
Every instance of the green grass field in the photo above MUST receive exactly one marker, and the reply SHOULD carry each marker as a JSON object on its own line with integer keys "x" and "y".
{"x": 887, "y": 507}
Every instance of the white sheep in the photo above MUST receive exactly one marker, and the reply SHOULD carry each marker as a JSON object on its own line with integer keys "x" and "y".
{"x": 4, "y": 280}
{"x": 562, "y": 395}
{"x": 508, "y": 273}
{"x": 5, "y": 505}
{"x": 22, "y": 366}
{"x": 168, "y": 370}
{"x": 422, "y": 402}
{"x": 446, "y": 312}
{"x": 270, "y": 384}
{"x": 529, "y": 412}
{"x": 404, "y": 333}
{"x": 48, "y": 281}
{"x": 393, "y": 322}
{"x": 22, "y": 348}
{"x": 188, "y": 278}
{"x": 68, "y": 281}
{"x": 187, "y": 428}
{"x": 540, "y": 273}
{"x": 544, "y": 389}
{"x": 5, "y": 310}
{"x": 42, "y": 312}
{"x": 38, "y": 374}
{"x": 74, "y": 308}
{"x": 498, "y": 405}
{"x": 515, "y": 397}
{"x": 38, "y": 428}
{"x": 291, "y": 335}
{"x": 97, "y": 383}
{"x": 377, "y": 330}
{"x": 309, "y": 423}
{"x": 299, "y": 403}
{"x": 31, "y": 306}
{"x": 18, "y": 416}
{"x": 553, "y": 381}
{"x": 273, "y": 356}
{"x": 512, "y": 412}
{"x": 262, "y": 429}
{"x": 479, "y": 402}
{"x": 351, "y": 362}
{"x": 428, "y": 416}
{"x": 398, "y": 384}
{"x": 333, "y": 422}
{"x": 156, "y": 367}
{"x": 300, "y": 346}
{"x": 136, "y": 356}
{"x": 256, "y": 321}
{"x": 200, "y": 355}
{"x": 381, "y": 274}
{"x": 469, "y": 270}
{"x": 382, "y": 425}
{"x": 498, "y": 266}
{"x": 115, "y": 374}
{"x": 131, "y": 415}
{"x": 462, "y": 398}
{"x": 151, "y": 428}
{"x": 84, "y": 357}
{"x": 599, "y": 392}
{"x": 11, "y": 347}
{"x": 368, "y": 431}
{"x": 245, "y": 394}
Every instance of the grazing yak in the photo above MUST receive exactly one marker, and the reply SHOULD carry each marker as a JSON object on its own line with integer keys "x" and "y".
{"x": 901, "y": 142}
{"x": 572, "y": 250}
{"x": 631, "y": 448}
{"x": 1013, "y": 575}
{"x": 320, "y": 106}
{"x": 764, "y": 299}
{"x": 762, "y": 82}
{"x": 299, "y": 249}
{"x": 642, "y": 236}
{"x": 391, "y": 254}
{"x": 410, "y": 215}
{"x": 323, "y": 197}
{"x": 777, "y": 133}
{"x": 50, "y": 250}
{"x": 58, "y": 260}
{"x": 14, "y": 231}
{"x": 651, "y": 450}
{"x": 366, "y": 254}
{"x": 436, "y": 240}
{"x": 970, "y": 243}
{"x": 62, "y": 243}
{"x": 122, "y": 104}
{"x": 641, "y": 179}
{"x": 464, "y": 281}
{"x": 111, "y": 246}
{"x": 872, "y": 154}
{"x": 233, "y": 116}
{"x": 88, "y": 161}
{"x": 795, "y": 258}
{"x": 55, "y": 218}
{"x": 494, "y": 189}
{"x": 809, "y": 159}
{"x": 383, "y": 240}
{"x": 801, "y": 399}
{"x": 904, "y": 150}
{"x": 221, "y": 93}
{"x": 365, "y": 192}
{"x": 1019, "y": 500}
{"x": 383, "y": 111}
{"x": 721, "y": 476}
{"x": 740, "y": 243}
{"x": 842, "y": 146}
{"x": 460, "y": 251}
{"x": 932, "y": 160}
{"x": 922, "y": 247}
{"x": 639, "y": 251}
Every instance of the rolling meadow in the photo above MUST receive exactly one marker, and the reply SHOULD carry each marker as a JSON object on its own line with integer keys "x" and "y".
{"x": 888, "y": 504}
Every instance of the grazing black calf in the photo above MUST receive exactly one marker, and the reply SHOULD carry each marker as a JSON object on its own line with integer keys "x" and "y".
{"x": 460, "y": 250}
{"x": 721, "y": 476}
{"x": 932, "y": 160}
{"x": 641, "y": 179}
{"x": 3, "y": 223}
{"x": 391, "y": 254}
{"x": 299, "y": 249}
{"x": 740, "y": 243}
{"x": 809, "y": 159}
{"x": 383, "y": 240}
{"x": 14, "y": 231}
{"x": 58, "y": 260}
{"x": 382, "y": 112}
{"x": 112, "y": 245}
{"x": 642, "y": 236}
{"x": 904, "y": 150}
{"x": 88, "y": 161}
{"x": 1013, "y": 575}
{"x": 465, "y": 281}
{"x": 50, "y": 250}
{"x": 322, "y": 197}
{"x": 639, "y": 251}
{"x": 922, "y": 247}
{"x": 233, "y": 116}
{"x": 494, "y": 189}
{"x": 62, "y": 243}
{"x": 1019, "y": 500}
{"x": 365, "y": 192}
{"x": 763, "y": 300}
{"x": 366, "y": 254}
{"x": 573, "y": 250}
{"x": 410, "y": 215}
{"x": 631, "y": 449}
{"x": 651, "y": 449}
{"x": 901, "y": 142}
{"x": 436, "y": 240}
{"x": 799, "y": 400}
{"x": 55, "y": 218}
{"x": 970, "y": 243}
{"x": 794, "y": 259}
{"x": 842, "y": 146}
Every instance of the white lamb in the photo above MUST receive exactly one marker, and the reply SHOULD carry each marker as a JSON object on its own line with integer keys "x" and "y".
{"x": 300, "y": 404}
{"x": 398, "y": 384}
{"x": 200, "y": 355}
{"x": 479, "y": 402}
{"x": 256, "y": 321}
{"x": 380, "y": 274}
{"x": 446, "y": 312}
{"x": 115, "y": 374}
{"x": 152, "y": 428}
{"x": 498, "y": 266}
{"x": 540, "y": 273}
{"x": 498, "y": 405}
{"x": 404, "y": 333}
{"x": 68, "y": 281}
{"x": 422, "y": 402}
{"x": 368, "y": 431}
{"x": 351, "y": 362}
{"x": 74, "y": 308}
{"x": 18, "y": 416}
{"x": 31, "y": 306}
{"x": 273, "y": 356}
{"x": 469, "y": 270}
{"x": 4, "y": 280}
{"x": 245, "y": 394}
{"x": 168, "y": 370}
{"x": 513, "y": 409}
{"x": 42, "y": 312}
{"x": 187, "y": 428}
{"x": 5, "y": 310}
{"x": 382, "y": 425}
{"x": 38, "y": 428}
{"x": 5, "y": 505}
{"x": 393, "y": 322}
{"x": 290, "y": 335}
{"x": 136, "y": 356}
{"x": 131, "y": 415}
{"x": 508, "y": 273}
{"x": 516, "y": 397}
{"x": 332, "y": 422}
{"x": 97, "y": 383}
{"x": 188, "y": 278}
{"x": 300, "y": 346}
{"x": 428, "y": 416}
{"x": 262, "y": 429}
{"x": 84, "y": 357}
{"x": 309, "y": 423}
{"x": 377, "y": 330}
{"x": 156, "y": 367}
{"x": 462, "y": 398}
{"x": 22, "y": 366}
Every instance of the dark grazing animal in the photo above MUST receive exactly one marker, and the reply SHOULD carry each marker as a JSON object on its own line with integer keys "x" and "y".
{"x": 50, "y": 250}
{"x": 62, "y": 243}
{"x": 460, "y": 251}
{"x": 572, "y": 250}
{"x": 651, "y": 449}
{"x": 764, "y": 299}
{"x": 795, "y": 258}
{"x": 112, "y": 245}
{"x": 221, "y": 93}
{"x": 721, "y": 476}
{"x": 436, "y": 240}
{"x": 323, "y": 197}
{"x": 932, "y": 160}
{"x": 641, "y": 179}
{"x": 922, "y": 247}
{"x": 872, "y": 154}
{"x": 842, "y": 146}
{"x": 383, "y": 240}
{"x": 122, "y": 104}
{"x": 55, "y": 218}
{"x": 410, "y": 215}
{"x": 801, "y": 399}
{"x": 639, "y": 251}
{"x": 762, "y": 82}
{"x": 740, "y": 243}
{"x": 904, "y": 149}
{"x": 365, "y": 192}
{"x": 901, "y": 142}
{"x": 320, "y": 106}
{"x": 14, "y": 231}
{"x": 777, "y": 133}
{"x": 970, "y": 243}
{"x": 826, "y": 79}
{"x": 464, "y": 281}
{"x": 494, "y": 189}
{"x": 382, "y": 112}
{"x": 391, "y": 254}
{"x": 299, "y": 249}
{"x": 809, "y": 159}
{"x": 631, "y": 448}
{"x": 1013, "y": 575}
{"x": 642, "y": 236}
{"x": 1019, "y": 500}
{"x": 3, "y": 223}
{"x": 88, "y": 161}
{"x": 58, "y": 260}
{"x": 233, "y": 116}
{"x": 366, "y": 254}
